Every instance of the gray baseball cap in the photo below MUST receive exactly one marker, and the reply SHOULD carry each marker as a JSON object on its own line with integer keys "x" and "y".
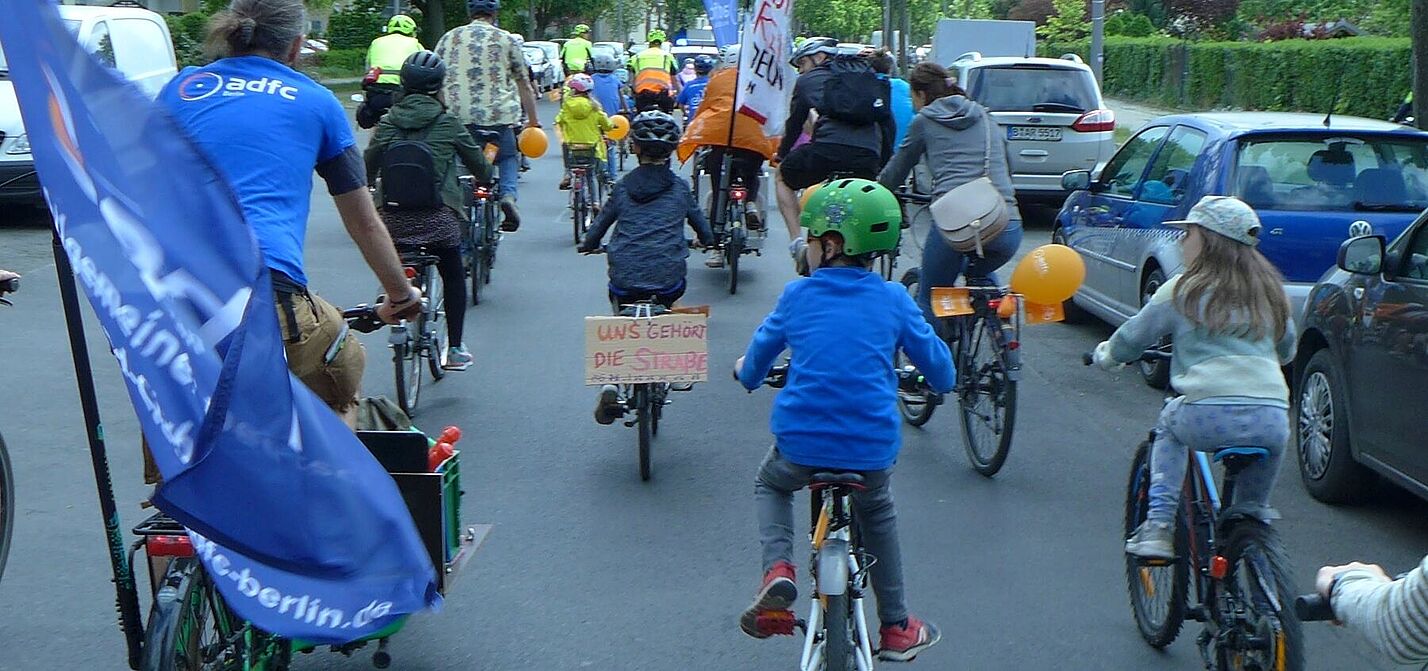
{"x": 1226, "y": 215}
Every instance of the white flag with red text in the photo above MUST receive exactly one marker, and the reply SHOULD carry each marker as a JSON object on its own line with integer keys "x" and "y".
{"x": 765, "y": 77}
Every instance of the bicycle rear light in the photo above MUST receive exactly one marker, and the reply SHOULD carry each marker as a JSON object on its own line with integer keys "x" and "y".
{"x": 483, "y": 193}
{"x": 168, "y": 546}
{"x": 1219, "y": 567}
{"x": 410, "y": 272}
{"x": 738, "y": 195}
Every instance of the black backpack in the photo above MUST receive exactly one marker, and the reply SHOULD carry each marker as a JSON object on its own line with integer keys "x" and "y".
{"x": 855, "y": 96}
{"x": 409, "y": 177}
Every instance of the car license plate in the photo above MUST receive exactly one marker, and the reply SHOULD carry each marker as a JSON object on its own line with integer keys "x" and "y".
{"x": 1035, "y": 133}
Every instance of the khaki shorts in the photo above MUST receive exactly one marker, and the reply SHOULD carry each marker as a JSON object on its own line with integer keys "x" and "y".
{"x": 330, "y": 369}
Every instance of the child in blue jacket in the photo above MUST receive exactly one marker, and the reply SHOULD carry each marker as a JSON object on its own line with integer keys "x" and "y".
{"x": 838, "y": 410}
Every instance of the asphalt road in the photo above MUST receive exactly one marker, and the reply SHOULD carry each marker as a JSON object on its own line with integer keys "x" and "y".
{"x": 587, "y": 566}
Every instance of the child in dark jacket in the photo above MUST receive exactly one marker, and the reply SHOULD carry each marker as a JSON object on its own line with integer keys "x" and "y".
{"x": 838, "y": 409}
{"x": 647, "y": 250}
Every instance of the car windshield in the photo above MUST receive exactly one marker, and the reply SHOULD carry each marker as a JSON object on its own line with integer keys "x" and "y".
{"x": 534, "y": 55}
{"x": 1383, "y": 173}
{"x": 1020, "y": 88}
{"x": 604, "y": 49}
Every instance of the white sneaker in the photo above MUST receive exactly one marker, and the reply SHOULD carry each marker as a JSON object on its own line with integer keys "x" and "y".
{"x": 714, "y": 259}
{"x": 1152, "y": 540}
{"x": 458, "y": 358}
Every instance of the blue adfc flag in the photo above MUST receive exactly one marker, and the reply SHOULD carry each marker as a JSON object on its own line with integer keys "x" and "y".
{"x": 305, "y": 534}
{"x": 723, "y": 21}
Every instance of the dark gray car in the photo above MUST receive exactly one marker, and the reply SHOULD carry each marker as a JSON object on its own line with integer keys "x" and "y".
{"x": 1362, "y": 362}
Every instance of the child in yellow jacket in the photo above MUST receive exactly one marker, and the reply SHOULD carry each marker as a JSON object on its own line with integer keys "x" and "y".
{"x": 582, "y": 122}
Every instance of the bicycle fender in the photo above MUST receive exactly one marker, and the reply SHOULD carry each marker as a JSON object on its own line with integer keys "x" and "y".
{"x": 833, "y": 567}
{"x": 1239, "y": 512}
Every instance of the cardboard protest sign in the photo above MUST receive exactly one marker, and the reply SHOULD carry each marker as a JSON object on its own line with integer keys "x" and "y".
{"x": 667, "y": 348}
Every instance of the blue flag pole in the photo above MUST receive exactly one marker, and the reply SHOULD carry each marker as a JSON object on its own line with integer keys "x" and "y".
{"x": 126, "y": 593}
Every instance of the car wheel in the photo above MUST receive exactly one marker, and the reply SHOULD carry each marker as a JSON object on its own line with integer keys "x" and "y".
{"x": 1156, "y": 374}
{"x": 1321, "y": 434}
{"x": 1074, "y": 313}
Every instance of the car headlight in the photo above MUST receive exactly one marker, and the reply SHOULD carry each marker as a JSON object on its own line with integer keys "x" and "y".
{"x": 21, "y": 145}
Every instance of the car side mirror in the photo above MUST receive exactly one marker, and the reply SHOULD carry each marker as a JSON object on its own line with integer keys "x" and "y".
{"x": 1076, "y": 180}
{"x": 1362, "y": 255}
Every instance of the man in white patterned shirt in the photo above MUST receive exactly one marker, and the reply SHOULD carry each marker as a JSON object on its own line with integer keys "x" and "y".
{"x": 488, "y": 87}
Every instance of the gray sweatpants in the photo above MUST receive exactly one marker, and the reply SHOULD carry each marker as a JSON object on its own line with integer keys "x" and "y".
{"x": 1206, "y": 427}
{"x": 779, "y": 478}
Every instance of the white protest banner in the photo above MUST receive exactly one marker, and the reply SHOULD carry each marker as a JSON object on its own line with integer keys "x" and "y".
{"x": 765, "y": 77}
{"x": 667, "y": 348}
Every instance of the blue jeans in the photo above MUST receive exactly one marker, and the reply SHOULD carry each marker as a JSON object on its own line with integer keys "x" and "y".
{"x": 942, "y": 265}
{"x": 1205, "y": 427}
{"x": 779, "y": 478}
{"x": 508, "y": 158}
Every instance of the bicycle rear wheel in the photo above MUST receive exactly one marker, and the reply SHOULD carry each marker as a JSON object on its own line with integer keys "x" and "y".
{"x": 577, "y": 215}
{"x": 733, "y": 249}
{"x": 478, "y": 253}
{"x": 1268, "y": 635}
{"x": 407, "y": 368}
{"x": 986, "y": 394}
{"x": 1157, "y": 590}
{"x": 189, "y": 624}
{"x": 838, "y": 634}
{"x": 644, "y": 420}
{"x": 7, "y": 504}
{"x": 435, "y": 335}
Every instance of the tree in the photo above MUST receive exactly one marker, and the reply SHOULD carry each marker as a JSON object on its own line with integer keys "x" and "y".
{"x": 1192, "y": 18}
{"x": 1419, "y": 19}
{"x": 842, "y": 19}
{"x": 1067, "y": 23}
{"x": 1032, "y": 10}
{"x": 1126, "y": 23}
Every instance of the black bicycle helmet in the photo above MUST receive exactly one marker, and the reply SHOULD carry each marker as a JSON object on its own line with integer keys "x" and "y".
{"x": 423, "y": 72}
{"x": 703, "y": 64}
{"x": 814, "y": 45}
{"x": 655, "y": 132}
{"x": 484, "y": 7}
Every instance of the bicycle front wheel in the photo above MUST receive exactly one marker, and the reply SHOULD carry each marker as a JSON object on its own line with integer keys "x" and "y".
{"x": 1157, "y": 590}
{"x": 986, "y": 393}
{"x": 644, "y": 420}
{"x": 733, "y": 249}
{"x": 189, "y": 628}
{"x": 7, "y": 504}
{"x": 1269, "y": 634}
{"x": 433, "y": 329}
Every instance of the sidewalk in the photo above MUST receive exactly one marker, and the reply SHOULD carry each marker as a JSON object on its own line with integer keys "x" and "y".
{"x": 1132, "y": 116}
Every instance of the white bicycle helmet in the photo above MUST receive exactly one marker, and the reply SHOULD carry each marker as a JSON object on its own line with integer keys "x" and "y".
{"x": 814, "y": 45}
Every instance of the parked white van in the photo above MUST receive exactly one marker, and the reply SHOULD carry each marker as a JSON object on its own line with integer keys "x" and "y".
{"x": 135, "y": 42}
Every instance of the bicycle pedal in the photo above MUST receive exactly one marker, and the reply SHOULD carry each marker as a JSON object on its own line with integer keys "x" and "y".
{"x": 779, "y": 622}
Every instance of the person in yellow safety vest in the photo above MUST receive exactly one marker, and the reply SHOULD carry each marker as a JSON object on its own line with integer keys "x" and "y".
{"x": 576, "y": 52}
{"x": 385, "y": 58}
{"x": 656, "y": 58}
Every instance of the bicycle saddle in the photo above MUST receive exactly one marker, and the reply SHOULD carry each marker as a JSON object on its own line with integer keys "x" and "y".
{"x": 1236, "y": 458}
{"x": 836, "y": 479}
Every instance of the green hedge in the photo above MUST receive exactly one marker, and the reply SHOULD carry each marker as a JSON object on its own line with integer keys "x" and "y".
{"x": 339, "y": 64}
{"x": 1371, "y": 74}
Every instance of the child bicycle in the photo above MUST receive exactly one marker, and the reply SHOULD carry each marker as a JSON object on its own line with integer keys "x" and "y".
{"x": 836, "y": 636}
{"x": 1242, "y": 579}
{"x": 728, "y": 215}
{"x": 587, "y": 187}
{"x": 984, "y": 334}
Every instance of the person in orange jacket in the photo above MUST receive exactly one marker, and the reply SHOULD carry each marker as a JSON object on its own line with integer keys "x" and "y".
{"x": 748, "y": 151}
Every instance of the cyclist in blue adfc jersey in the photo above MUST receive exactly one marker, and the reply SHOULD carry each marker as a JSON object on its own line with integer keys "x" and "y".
{"x": 266, "y": 127}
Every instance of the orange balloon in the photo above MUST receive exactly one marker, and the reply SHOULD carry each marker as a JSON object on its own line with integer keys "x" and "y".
{"x": 621, "y": 127}
{"x": 533, "y": 142}
{"x": 808, "y": 193}
{"x": 491, "y": 150}
{"x": 1049, "y": 274}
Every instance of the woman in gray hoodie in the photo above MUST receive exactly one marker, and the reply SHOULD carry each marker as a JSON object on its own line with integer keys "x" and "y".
{"x": 950, "y": 130}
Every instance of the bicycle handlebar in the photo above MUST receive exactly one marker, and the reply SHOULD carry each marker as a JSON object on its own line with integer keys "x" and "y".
{"x": 1151, "y": 355}
{"x": 363, "y": 318}
{"x": 1313, "y": 608}
{"x": 777, "y": 377}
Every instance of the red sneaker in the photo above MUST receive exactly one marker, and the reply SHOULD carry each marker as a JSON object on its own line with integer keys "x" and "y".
{"x": 777, "y": 595}
{"x": 902, "y": 644}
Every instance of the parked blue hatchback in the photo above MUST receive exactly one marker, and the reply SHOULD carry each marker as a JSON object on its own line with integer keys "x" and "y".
{"x": 1315, "y": 182}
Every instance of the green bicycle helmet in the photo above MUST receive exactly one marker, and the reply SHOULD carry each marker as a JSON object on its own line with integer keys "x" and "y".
{"x": 656, "y": 35}
{"x": 580, "y": 29}
{"x": 403, "y": 24}
{"x": 864, "y": 212}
